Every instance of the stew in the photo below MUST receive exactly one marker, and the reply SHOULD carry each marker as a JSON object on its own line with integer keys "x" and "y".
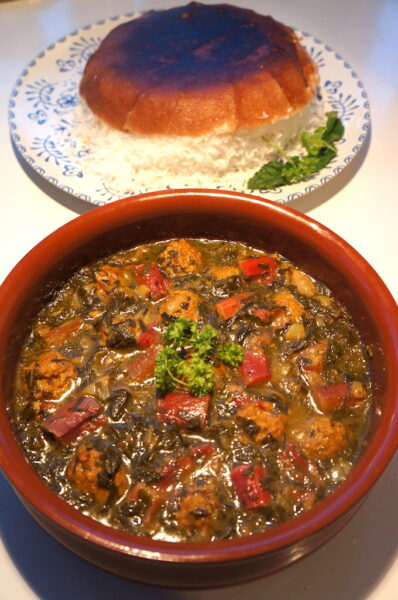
{"x": 192, "y": 390}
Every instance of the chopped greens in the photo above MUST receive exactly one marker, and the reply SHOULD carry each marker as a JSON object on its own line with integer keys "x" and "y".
{"x": 320, "y": 147}
{"x": 188, "y": 361}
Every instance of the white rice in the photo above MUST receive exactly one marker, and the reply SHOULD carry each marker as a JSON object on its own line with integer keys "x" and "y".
{"x": 131, "y": 163}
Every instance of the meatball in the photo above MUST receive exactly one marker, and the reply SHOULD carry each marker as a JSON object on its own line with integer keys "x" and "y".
{"x": 98, "y": 472}
{"x": 265, "y": 423}
{"x": 180, "y": 258}
{"x": 285, "y": 298}
{"x": 199, "y": 513}
{"x": 181, "y": 304}
{"x": 110, "y": 280}
{"x": 52, "y": 374}
{"x": 322, "y": 438}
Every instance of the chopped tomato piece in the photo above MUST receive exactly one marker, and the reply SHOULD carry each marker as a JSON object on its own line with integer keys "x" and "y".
{"x": 255, "y": 367}
{"x": 66, "y": 421}
{"x": 263, "y": 267}
{"x": 183, "y": 410}
{"x": 143, "y": 366}
{"x": 247, "y": 481}
{"x": 150, "y": 275}
{"x": 230, "y": 306}
{"x": 330, "y": 397}
{"x": 148, "y": 338}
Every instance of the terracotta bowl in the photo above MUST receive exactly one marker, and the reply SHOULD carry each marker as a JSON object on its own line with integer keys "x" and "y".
{"x": 217, "y": 215}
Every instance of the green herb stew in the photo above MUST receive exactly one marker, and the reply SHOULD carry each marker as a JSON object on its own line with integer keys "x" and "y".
{"x": 192, "y": 390}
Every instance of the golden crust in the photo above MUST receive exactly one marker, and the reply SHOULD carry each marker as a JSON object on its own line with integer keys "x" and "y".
{"x": 203, "y": 69}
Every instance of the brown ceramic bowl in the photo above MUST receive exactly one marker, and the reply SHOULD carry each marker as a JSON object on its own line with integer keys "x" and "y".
{"x": 217, "y": 215}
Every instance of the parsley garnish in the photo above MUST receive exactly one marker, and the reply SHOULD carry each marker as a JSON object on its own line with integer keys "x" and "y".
{"x": 188, "y": 360}
{"x": 197, "y": 375}
{"x": 320, "y": 147}
{"x": 231, "y": 354}
{"x": 167, "y": 370}
{"x": 204, "y": 341}
{"x": 179, "y": 332}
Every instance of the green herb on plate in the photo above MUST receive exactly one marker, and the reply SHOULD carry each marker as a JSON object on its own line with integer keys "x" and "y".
{"x": 320, "y": 147}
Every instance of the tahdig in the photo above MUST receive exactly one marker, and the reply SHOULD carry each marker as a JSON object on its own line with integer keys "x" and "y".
{"x": 198, "y": 69}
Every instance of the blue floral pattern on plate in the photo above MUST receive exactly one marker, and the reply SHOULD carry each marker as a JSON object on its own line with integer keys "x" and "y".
{"x": 45, "y": 95}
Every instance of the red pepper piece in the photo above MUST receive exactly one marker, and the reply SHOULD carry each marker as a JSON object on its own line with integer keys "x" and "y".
{"x": 66, "y": 421}
{"x": 85, "y": 428}
{"x": 292, "y": 453}
{"x": 247, "y": 481}
{"x": 182, "y": 466}
{"x": 143, "y": 366}
{"x": 149, "y": 274}
{"x": 263, "y": 267}
{"x": 174, "y": 470}
{"x": 183, "y": 410}
{"x": 60, "y": 334}
{"x": 290, "y": 458}
{"x": 167, "y": 476}
{"x": 230, "y": 306}
{"x": 330, "y": 397}
{"x": 255, "y": 367}
{"x": 148, "y": 338}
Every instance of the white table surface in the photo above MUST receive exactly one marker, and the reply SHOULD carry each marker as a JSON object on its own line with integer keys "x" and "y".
{"x": 361, "y": 205}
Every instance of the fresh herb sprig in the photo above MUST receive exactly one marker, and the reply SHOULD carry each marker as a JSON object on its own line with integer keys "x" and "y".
{"x": 230, "y": 354}
{"x": 188, "y": 360}
{"x": 320, "y": 147}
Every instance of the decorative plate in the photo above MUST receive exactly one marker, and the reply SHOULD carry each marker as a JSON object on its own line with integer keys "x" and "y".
{"x": 45, "y": 98}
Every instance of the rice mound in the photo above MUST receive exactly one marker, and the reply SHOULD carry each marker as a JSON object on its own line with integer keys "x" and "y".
{"x": 131, "y": 163}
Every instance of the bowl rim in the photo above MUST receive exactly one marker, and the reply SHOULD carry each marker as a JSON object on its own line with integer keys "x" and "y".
{"x": 371, "y": 464}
